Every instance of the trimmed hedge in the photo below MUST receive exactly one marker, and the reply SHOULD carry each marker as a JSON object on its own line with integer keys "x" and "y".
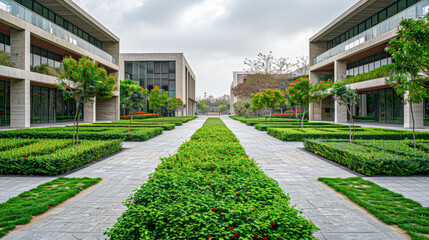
{"x": 87, "y": 133}
{"x": 210, "y": 189}
{"x": 20, "y": 209}
{"x": 264, "y": 126}
{"x": 133, "y": 125}
{"x": 53, "y": 156}
{"x": 340, "y": 133}
{"x": 375, "y": 157}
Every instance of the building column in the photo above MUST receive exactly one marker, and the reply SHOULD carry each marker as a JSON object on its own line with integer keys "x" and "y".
{"x": 20, "y": 103}
{"x": 340, "y": 70}
{"x": 418, "y": 110}
{"x": 340, "y": 113}
{"x": 90, "y": 112}
{"x": 108, "y": 109}
{"x": 315, "y": 111}
{"x": 20, "y": 44}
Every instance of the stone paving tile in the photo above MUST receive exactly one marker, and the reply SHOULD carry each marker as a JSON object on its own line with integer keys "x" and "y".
{"x": 87, "y": 216}
{"x": 11, "y": 186}
{"x": 297, "y": 171}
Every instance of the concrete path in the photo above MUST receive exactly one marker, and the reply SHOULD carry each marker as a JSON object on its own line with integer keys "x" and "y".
{"x": 297, "y": 171}
{"x": 88, "y": 215}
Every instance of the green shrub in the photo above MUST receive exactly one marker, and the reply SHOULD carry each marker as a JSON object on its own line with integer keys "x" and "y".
{"x": 20, "y": 210}
{"x": 374, "y": 74}
{"x": 265, "y": 126}
{"x": 47, "y": 70}
{"x": 133, "y": 125}
{"x": 375, "y": 157}
{"x": 53, "y": 156}
{"x": 287, "y": 134}
{"x": 210, "y": 188}
{"x": 6, "y": 59}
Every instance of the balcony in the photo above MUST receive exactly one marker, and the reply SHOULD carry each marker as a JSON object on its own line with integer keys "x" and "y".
{"x": 418, "y": 10}
{"x": 23, "y": 13}
{"x": 8, "y": 59}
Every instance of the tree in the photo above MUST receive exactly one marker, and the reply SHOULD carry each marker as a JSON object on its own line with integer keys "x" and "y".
{"x": 157, "y": 99}
{"x": 346, "y": 96}
{"x": 268, "y": 99}
{"x": 82, "y": 81}
{"x": 302, "y": 65}
{"x": 299, "y": 94}
{"x": 202, "y": 107}
{"x": 247, "y": 107}
{"x": 224, "y": 107}
{"x": 410, "y": 65}
{"x": 239, "y": 108}
{"x": 133, "y": 97}
{"x": 174, "y": 104}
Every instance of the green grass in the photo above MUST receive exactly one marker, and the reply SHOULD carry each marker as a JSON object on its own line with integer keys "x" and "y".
{"x": 389, "y": 207}
{"x": 20, "y": 210}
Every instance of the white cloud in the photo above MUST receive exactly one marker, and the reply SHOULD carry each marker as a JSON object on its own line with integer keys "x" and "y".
{"x": 205, "y": 12}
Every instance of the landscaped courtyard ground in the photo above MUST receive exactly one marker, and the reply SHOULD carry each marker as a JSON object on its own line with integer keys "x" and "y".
{"x": 88, "y": 215}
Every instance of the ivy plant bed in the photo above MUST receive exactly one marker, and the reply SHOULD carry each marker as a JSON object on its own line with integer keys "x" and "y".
{"x": 133, "y": 125}
{"x": 389, "y": 207}
{"x": 51, "y": 156}
{"x": 343, "y": 133}
{"x": 89, "y": 133}
{"x": 210, "y": 189}
{"x": 375, "y": 157}
{"x": 20, "y": 210}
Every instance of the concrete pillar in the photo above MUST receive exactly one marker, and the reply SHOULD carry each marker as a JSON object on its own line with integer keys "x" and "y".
{"x": 340, "y": 70}
{"x": 315, "y": 111}
{"x": 112, "y": 48}
{"x": 316, "y": 49}
{"x": 418, "y": 110}
{"x": 20, "y": 103}
{"x": 340, "y": 113}
{"x": 89, "y": 112}
{"x": 108, "y": 109}
{"x": 20, "y": 44}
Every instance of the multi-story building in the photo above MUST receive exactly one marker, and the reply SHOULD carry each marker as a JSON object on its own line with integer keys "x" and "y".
{"x": 41, "y": 32}
{"x": 353, "y": 44}
{"x": 238, "y": 78}
{"x": 169, "y": 71}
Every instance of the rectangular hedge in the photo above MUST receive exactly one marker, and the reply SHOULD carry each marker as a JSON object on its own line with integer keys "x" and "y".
{"x": 210, "y": 189}
{"x": 133, "y": 125}
{"x": 375, "y": 157}
{"x": 265, "y": 126}
{"x": 87, "y": 133}
{"x": 339, "y": 133}
{"x": 53, "y": 156}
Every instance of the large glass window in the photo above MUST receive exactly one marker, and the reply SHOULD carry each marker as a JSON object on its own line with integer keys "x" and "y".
{"x": 4, "y": 103}
{"x": 426, "y": 102}
{"x": 41, "y": 56}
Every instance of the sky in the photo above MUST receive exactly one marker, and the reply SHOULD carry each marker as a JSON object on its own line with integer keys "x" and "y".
{"x": 216, "y": 35}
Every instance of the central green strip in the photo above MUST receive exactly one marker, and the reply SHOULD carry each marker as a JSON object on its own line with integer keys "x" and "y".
{"x": 210, "y": 189}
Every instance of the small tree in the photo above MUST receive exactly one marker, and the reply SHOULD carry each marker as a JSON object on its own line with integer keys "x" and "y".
{"x": 268, "y": 99}
{"x": 247, "y": 107}
{"x": 202, "y": 107}
{"x": 410, "y": 65}
{"x": 82, "y": 81}
{"x": 133, "y": 97}
{"x": 174, "y": 104}
{"x": 347, "y": 96}
{"x": 224, "y": 107}
{"x": 299, "y": 94}
{"x": 157, "y": 99}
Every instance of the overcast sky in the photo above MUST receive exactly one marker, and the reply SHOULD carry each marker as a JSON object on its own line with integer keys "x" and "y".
{"x": 216, "y": 35}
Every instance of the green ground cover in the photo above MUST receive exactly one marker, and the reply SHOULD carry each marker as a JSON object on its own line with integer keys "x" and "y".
{"x": 343, "y": 133}
{"x": 375, "y": 157}
{"x": 210, "y": 189}
{"x": 20, "y": 210}
{"x": 265, "y": 126}
{"x": 88, "y": 133}
{"x": 164, "y": 126}
{"x": 51, "y": 156}
{"x": 389, "y": 207}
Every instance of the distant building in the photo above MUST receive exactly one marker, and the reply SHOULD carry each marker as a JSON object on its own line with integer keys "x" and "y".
{"x": 35, "y": 33}
{"x": 353, "y": 44}
{"x": 169, "y": 71}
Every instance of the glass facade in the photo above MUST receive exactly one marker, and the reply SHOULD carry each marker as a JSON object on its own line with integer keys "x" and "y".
{"x": 153, "y": 73}
{"x": 58, "y": 20}
{"x": 379, "y": 106}
{"x": 368, "y": 64}
{"x": 4, "y": 103}
{"x": 4, "y": 42}
{"x": 426, "y": 109}
{"x": 40, "y": 56}
{"x": 48, "y": 105}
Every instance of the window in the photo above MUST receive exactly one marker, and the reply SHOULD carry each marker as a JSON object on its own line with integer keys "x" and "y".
{"x": 51, "y": 16}
{"x": 402, "y": 5}
{"x": 411, "y": 2}
{"x": 38, "y": 8}
{"x": 382, "y": 15}
{"x": 361, "y": 27}
{"x": 27, "y": 3}
{"x": 368, "y": 23}
{"x": 374, "y": 19}
{"x": 59, "y": 21}
{"x": 392, "y": 10}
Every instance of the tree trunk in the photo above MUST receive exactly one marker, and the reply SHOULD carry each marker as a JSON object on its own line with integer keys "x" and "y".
{"x": 74, "y": 123}
{"x": 132, "y": 115}
{"x": 412, "y": 117}
{"x": 350, "y": 123}
{"x": 302, "y": 118}
{"x": 77, "y": 125}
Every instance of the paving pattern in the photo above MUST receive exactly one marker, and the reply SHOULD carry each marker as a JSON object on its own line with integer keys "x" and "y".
{"x": 297, "y": 171}
{"x": 88, "y": 215}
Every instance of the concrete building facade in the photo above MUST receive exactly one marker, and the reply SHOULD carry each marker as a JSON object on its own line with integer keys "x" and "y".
{"x": 35, "y": 33}
{"x": 169, "y": 71}
{"x": 354, "y": 44}
{"x": 238, "y": 78}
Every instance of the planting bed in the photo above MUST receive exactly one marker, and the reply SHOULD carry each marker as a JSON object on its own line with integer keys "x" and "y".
{"x": 51, "y": 156}
{"x": 210, "y": 189}
{"x": 89, "y": 133}
{"x": 265, "y": 126}
{"x": 343, "y": 133}
{"x": 133, "y": 125}
{"x": 389, "y": 207}
{"x": 375, "y": 157}
{"x": 20, "y": 210}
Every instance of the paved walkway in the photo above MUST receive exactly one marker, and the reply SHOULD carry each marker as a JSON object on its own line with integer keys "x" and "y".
{"x": 297, "y": 171}
{"x": 87, "y": 216}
